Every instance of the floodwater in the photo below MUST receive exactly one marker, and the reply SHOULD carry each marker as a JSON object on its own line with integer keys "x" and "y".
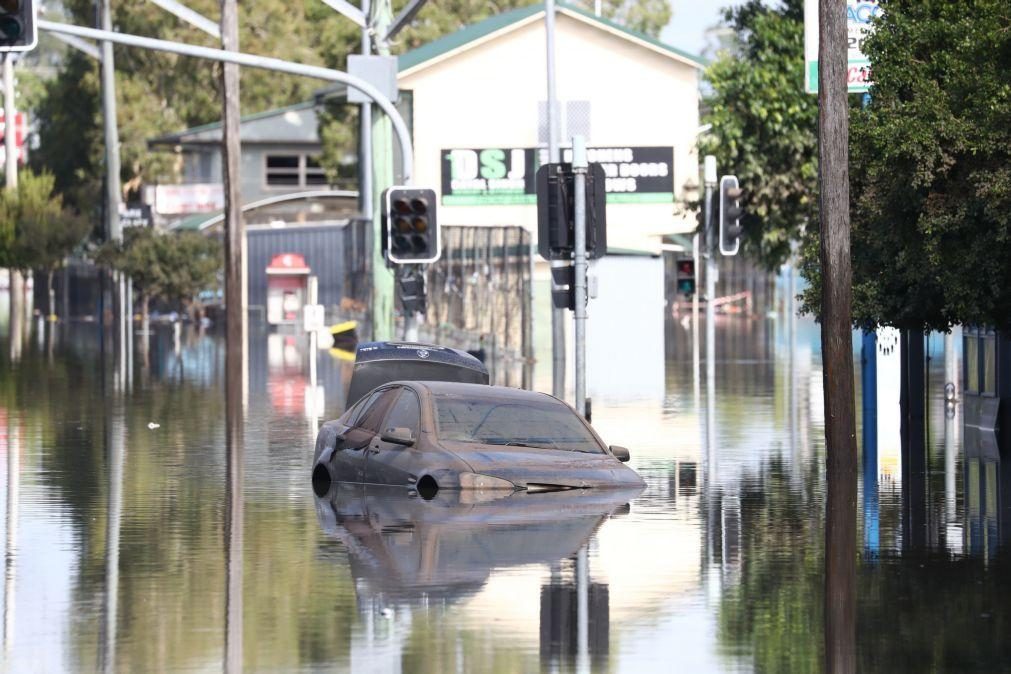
{"x": 144, "y": 532}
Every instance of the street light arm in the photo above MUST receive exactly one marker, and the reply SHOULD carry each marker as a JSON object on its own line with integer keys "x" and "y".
{"x": 254, "y": 61}
{"x": 186, "y": 14}
{"x": 80, "y": 45}
{"x": 405, "y": 16}
{"x": 348, "y": 10}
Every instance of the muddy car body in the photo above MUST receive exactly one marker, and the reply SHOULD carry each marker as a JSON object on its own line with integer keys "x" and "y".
{"x": 428, "y": 436}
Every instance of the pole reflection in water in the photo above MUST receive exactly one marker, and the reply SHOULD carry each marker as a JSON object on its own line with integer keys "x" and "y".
{"x": 115, "y": 441}
{"x": 840, "y": 564}
{"x": 235, "y": 386}
{"x": 13, "y": 447}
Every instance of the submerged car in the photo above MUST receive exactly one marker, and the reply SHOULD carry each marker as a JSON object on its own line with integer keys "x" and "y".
{"x": 433, "y": 435}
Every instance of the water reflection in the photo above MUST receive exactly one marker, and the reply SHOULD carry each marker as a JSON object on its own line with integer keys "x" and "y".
{"x": 164, "y": 527}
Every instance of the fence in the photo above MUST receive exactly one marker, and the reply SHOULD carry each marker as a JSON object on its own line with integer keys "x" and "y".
{"x": 479, "y": 298}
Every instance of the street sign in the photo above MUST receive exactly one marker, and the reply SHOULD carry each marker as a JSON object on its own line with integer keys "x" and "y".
{"x": 20, "y": 127}
{"x": 135, "y": 215}
{"x": 859, "y": 17}
{"x": 313, "y": 317}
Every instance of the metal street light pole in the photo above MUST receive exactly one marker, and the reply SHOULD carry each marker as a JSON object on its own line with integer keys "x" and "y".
{"x": 17, "y": 287}
{"x": 557, "y": 315}
{"x": 579, "y": 169}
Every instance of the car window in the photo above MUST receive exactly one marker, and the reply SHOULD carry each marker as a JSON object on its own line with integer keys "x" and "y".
{"x": 360, "y": 407}
{"x": 405, "y": 413}
{"x": 374, "y": 412}
{"x": 514, "y": 422}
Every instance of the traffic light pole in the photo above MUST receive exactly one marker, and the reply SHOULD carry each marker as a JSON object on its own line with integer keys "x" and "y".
{"x": 17, "y": 283}
{"x": 554, "y": 156}
{"x": 711, "y": 272}
{"x": 579, "y": 169}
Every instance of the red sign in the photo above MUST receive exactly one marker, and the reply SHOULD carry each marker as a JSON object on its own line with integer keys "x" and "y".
{"x": 20, "y": 127}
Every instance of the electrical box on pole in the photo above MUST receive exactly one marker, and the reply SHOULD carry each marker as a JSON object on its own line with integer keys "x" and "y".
{"x": 730, "y": 215}
{"x": 410, "y": 226}
{"x": 556, "y": 212}
{"x": 17, "y": 25}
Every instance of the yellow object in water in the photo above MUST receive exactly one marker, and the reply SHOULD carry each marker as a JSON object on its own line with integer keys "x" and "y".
{"x": 343, "y": 354}
{"x": 341, "y": 328}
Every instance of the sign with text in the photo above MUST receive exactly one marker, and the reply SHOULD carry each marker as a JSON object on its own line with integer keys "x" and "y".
{"x": 859, "y": 14}
{"x": 195, "y": 198}
{"x": 507, "y": 176}
{"x": 135, "y": 215}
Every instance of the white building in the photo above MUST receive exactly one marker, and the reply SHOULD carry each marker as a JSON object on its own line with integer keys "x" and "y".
{"x": 480, "y": 128}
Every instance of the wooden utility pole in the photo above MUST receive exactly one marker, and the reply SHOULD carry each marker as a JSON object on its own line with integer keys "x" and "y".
{"x": 235, "y": 335}
{"x": 235, "y": 305}
{"x": 836, "y": 340}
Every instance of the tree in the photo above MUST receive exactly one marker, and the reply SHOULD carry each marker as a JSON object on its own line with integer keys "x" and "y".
{"x": 41, "y": 233}
{"x": 174, "y": 268}
{"x": 931, "y": 169}
{"x": 765, "y": 126}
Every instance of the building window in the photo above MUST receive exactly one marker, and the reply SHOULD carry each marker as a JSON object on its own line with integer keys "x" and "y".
{"x": 294, "y": 170}
{"x": 314, "y": 174}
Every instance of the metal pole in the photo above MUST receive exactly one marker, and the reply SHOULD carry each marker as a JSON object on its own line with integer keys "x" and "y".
{"x": 17, "y": 288}
{"x": 112, "y": 187}
{"x": 255, "y": 61}
{"x": 557, "y": 315}
{"x": 382, "y": 176}
{"x": 711, "y": 274}
{"x": 579, "y": 168}
{"x": 696, "y": 384}
{"x": 365, "y": 129}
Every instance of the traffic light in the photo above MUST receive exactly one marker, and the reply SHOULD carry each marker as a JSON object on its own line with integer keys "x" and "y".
{"x": 17, "y": 25}
{"x": 555, "y": 184}
{"x": 730, "y": 215}
{"x": 411, "y": 230}
{"x": 686, "y": 276}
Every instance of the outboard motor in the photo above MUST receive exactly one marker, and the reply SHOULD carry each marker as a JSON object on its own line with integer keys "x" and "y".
{"x": 378, "y": 363}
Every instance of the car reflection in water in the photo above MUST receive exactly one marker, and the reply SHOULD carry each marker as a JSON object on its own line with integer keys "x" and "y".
{"x": 406, "y": 550}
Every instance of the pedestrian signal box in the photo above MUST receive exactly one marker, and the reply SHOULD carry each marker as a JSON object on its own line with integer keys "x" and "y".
{"x": 17, "y": 25}
{"x": 731, "y": 211}
{"x": 686, "y": 276}
{"x": 410, "y": 226}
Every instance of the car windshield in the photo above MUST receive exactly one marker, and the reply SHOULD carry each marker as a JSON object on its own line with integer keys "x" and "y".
{"x": 549, "y": 425}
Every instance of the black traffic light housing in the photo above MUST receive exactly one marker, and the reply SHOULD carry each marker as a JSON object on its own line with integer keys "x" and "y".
{"x": 685, "y": 276}
{"x": 410, "y": 225}
{"x": 17, "y": 26}
{"x": 556, "y": 213}
{"x": 730, "y": 215}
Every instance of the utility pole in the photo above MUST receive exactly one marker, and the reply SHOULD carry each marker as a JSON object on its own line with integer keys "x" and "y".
{"x": 579, "y": 169}
{"x": 235, "y": 306}
{"x": 554, "y": 157}
{"x": 382, "y": 177}
{"x": 836, "y": 340}
{"x": 112, "y": 187}
{"x": 17, "y": 283}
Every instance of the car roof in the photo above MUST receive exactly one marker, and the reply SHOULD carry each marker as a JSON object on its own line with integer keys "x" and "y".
{"x": 483, "y": 391}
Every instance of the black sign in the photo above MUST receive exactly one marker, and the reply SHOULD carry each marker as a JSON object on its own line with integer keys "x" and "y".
{"x": 497, "y": 176}
{"x": 135, "y": 215}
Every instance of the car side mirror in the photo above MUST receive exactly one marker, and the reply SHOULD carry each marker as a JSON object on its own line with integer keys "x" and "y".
{"x": 620, "y": 453}
{"x": 398, "y": 436}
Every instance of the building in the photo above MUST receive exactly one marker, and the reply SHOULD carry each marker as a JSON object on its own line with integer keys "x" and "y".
{"x": 476, "y": 102}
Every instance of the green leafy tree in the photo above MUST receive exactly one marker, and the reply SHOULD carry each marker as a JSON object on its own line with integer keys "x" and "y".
{"x": 931, "y": 169}
{"x": 174, "y": 268}
{"x": 41, "y": 233}
{"x": 764, "y": 125}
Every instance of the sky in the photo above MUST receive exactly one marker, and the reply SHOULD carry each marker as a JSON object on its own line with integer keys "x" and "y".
{"x": 689, "y": 21}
